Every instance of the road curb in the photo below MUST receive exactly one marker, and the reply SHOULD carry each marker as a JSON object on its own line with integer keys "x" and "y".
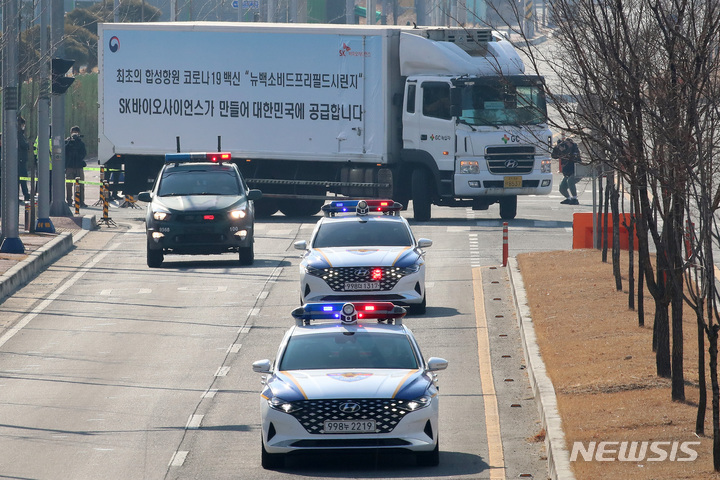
{"x": 26, "y": 270}
{"x": 557, "y": 453}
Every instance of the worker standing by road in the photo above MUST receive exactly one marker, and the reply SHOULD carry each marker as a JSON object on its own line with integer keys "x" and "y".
{"x": 75, "y": 152}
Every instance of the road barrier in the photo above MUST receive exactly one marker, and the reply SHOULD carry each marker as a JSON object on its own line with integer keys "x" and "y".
{"x": 505, "y": 244}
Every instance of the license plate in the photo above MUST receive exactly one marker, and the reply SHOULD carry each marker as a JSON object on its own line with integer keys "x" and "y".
{"x": 513, "y": 182}
{"x": 350, "y": 286}
{"x": 349, "y": 426}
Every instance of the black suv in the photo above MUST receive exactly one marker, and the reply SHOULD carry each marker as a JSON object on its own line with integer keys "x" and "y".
{"x": 199, "y": 204}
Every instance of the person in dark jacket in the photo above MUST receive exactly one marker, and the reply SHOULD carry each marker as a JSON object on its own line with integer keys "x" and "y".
{"x": 75, "y": 152}
{"x": 23, "y": 147}
{"x": 567, "y": 151}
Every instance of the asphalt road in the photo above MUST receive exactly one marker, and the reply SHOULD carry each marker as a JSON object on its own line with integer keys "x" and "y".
{"x": 114, "y": 370}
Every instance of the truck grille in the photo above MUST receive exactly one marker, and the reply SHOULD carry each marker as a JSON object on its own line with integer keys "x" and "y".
{"x": 386, "y": 412}
{"x": 336, "y": 277}
{"x": 510, "y": 160}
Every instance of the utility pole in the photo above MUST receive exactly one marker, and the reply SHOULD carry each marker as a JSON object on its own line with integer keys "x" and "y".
{"x": 44, "y": 224}
{"x": 11, "y": 242}
{"x": 58, "y": 208}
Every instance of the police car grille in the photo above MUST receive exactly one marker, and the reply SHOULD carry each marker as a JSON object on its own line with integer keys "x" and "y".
{"x": 510, "y": 160}
{"x": 336, "y": 278}
{"x": 384, "y": 411}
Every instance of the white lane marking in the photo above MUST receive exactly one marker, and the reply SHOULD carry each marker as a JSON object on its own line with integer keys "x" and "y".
{"x": 254, "y": 311}
{"x": 54, "y": 295}
{"x": 209, "y": 393}
{"x": 234, "y": 348}
{"x": 178, "y": 459}
{"x": 209, "y": 288}
{"x": 194, "y": 422}
{"x": 222, "y": 371}
{"x": 263, "y": 295}
{"x": 244, "y": 330}
{"x": 109, "y": 291}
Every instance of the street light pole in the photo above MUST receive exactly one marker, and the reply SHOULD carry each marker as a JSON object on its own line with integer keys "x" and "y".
{"x": 11, "y": 242}
{"x": 44, "y": 224}
{"x": 58, "y": 208}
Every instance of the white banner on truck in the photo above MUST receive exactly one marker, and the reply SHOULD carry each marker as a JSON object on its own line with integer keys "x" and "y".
{"x": 263, "y": 93}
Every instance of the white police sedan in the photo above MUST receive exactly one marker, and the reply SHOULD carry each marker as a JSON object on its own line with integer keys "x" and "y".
{"x": 363, "y": 250}
{"x": 349, "y": 376}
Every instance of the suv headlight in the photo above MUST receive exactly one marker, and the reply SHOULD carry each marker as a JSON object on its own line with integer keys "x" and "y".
{"x": 310, "y": 270}
{"x": 237, "y": 214}
{"x": 161, "y": 215}
{"x": 277, "y": 403}
{"x": 469, "y": 166}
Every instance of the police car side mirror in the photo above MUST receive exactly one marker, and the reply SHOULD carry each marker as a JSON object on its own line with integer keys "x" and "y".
{"x": 262, "y": 366}
{"x": 300, "y": 245}
{"x": 424, "y": 243}
{"x": 434, "y": 364}
{"x": 254, "y": 194}
{"x": 145, "y": 197}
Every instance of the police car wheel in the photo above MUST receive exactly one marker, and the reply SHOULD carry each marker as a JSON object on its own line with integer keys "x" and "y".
{"x": 270, "y": 461}
{"x": 429, "y": 459}
{"x": 154, "y": 258}
{"x": 247, "y": 255}
{"x": 419, "y": 308}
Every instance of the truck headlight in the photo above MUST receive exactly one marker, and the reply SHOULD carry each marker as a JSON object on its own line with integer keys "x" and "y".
{"x": 545, "y": 166}
{"x": 469, "y": 166}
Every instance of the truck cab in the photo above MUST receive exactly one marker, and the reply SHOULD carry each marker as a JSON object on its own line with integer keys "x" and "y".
{"x": 475, "y": 130}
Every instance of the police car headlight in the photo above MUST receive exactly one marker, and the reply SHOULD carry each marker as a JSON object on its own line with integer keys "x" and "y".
{"x": 414, "y": 268}
{"x": 161, "y": 215}
{"x": 469, "y": 166}
{"x": 237, "y": 214}
{"x": 277, "y": 403}
{"x": 417, "y": 403}
{"x": 310, "y": 270}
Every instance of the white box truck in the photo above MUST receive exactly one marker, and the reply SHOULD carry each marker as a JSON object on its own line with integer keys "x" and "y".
{"x": 436, "y": 115}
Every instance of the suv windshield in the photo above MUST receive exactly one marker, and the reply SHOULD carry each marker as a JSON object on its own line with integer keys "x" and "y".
{"x": 220, "y": 180}
{"x": 348, "y": 350}
{"x": 363, "y": 233}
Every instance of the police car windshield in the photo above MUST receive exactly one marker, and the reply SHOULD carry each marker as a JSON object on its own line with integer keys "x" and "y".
{"x": 361, "y": 349}
{"x": 359, "y": 234}
{"x": 199, "y": 182}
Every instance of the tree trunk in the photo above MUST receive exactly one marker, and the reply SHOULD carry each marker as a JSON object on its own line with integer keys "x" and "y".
{"x": 678, "y": 373}
{"x": 702, "y": 382}
{"x": 662, "y": 333}
{"x": 713, "y": 350}
{"x": 640, "y": 293}
{"x": 605, "y": 219}
{"x": 614, "y": 197}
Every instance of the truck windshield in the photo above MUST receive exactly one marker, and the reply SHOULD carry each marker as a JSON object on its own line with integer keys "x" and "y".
{"x": 502, "y": 101}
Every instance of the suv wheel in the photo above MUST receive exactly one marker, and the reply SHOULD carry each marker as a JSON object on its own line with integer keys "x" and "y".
{"x": 154, "y": 257}
{"x": 247, "y": 255}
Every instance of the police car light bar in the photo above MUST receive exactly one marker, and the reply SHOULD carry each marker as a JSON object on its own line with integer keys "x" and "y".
{"x": 214, "y": 157}
{"x": 348, "y": 312}
{"x": 362, "y": 207}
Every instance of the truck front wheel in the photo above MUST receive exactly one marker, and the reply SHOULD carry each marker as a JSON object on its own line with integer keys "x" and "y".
{"x": 508, "y": 207}
{"x": 421, "y": 191}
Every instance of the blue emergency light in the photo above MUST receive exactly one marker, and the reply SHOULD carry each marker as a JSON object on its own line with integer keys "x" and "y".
{"x": 213, "y": 157}
{"x": 362, "y": 207}
{"x": 348, "y": 312}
